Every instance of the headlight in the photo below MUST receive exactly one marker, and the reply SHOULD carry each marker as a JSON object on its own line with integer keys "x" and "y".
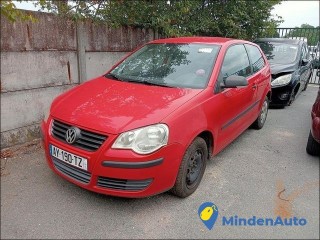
{"x": 143, "y": 140}
{"x": 283, "y": 80}
{"x": 46, "y": 114}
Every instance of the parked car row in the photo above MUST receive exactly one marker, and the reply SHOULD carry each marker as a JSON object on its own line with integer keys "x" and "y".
{"x": 291, "y": 68}
{"x": 150, "y": 123}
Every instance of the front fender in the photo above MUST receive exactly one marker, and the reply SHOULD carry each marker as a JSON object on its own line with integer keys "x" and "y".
{"x": 190, "y": 120}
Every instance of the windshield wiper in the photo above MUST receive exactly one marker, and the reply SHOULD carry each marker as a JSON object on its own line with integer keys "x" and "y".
{"x": 113, "y": 76}
{"x": 147, "y": 83}
{"x": 116, "y": 77}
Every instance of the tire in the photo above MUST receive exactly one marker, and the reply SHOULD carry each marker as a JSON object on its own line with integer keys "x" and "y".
{"x": 261, "y": 119}
{"x": 313, "y": 147}
{"x": 305, "y": 86}
{"x": 292, "y": 97}
{"x": 192, "y": 168}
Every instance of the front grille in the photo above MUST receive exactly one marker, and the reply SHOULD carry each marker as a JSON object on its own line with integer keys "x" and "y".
{"x": 123, "y": 184}
{"x": 89, "y": 141}
{"x": 71, "y": 171}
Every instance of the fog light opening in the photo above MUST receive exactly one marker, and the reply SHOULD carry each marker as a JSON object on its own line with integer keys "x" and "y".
{"x": 284, "y": 96}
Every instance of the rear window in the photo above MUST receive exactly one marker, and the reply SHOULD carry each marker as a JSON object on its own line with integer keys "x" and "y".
{"x": 280, "y": 53}
{"x": 235, "y": 62}
{"x": 256, "y": 58}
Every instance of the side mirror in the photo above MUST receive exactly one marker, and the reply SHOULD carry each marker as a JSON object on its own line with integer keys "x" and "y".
{"x": 234, "y": 81}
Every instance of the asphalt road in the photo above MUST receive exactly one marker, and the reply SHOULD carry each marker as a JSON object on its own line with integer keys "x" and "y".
{"x": 263, "y": 173}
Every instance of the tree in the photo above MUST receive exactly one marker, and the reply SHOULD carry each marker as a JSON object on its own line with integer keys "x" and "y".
{"x": 9, "y": 10}
{"x": 238, "y": 19}
{"x": 307, "y": 31}
{"x": 225, "y": 18}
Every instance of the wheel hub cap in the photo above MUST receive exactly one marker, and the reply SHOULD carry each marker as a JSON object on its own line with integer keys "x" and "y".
{"x": 194, "y": 167}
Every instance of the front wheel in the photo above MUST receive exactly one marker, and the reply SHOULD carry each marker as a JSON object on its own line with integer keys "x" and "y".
{"x": 261, "y": 119}
{"x": 191, "y": 169}
{"x": 307, "y": 82}
{"x": 313, "y": 147}
{"x": 292, "y": 97}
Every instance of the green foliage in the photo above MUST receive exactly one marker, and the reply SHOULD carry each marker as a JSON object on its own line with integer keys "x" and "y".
{"x": 306, "y": 31}
{"x": 226, "y": 18}
{"x": 9, "y": 10}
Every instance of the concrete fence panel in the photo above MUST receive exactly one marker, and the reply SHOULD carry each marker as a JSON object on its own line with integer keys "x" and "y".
{"x": 49, "y": 32}
{"x": 42, "y": 59}
{"x": 22, "y": 111}
{"x": 35, "y": 69}
{"x": 99, "y": 62}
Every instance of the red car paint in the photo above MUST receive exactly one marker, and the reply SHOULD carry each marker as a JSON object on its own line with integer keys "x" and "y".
{"x": 110, "y": 107}
{"x": 315, "y": 119}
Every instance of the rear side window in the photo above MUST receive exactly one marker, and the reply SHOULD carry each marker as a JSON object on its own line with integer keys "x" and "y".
{"x": 255, "y": 57}
{"x": 235, "y": 62}
{"x": 304, "y": 52}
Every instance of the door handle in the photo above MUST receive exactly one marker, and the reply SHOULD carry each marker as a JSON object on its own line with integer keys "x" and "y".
{"x": 254, "y": 86}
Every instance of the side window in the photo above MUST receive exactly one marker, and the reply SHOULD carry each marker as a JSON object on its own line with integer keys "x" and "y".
{"x": 303, "y": 52}
{"x": 255, "y": 57}
{"x": 235, "y": 62}
{"x": 306, "y": 51}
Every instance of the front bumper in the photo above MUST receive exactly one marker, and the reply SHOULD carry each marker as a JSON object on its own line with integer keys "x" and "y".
{"x": 315, "y": 127}
{"x": 118, "y": 172}
{"x": 281, "y": 95}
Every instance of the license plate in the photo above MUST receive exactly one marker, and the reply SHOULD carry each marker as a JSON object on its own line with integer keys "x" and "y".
{"x": 69, "y": 158}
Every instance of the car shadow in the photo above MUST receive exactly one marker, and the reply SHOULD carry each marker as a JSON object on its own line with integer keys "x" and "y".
{"x": 277, "y": 107}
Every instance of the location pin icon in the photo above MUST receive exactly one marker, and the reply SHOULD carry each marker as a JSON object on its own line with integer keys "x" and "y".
{"x": 208, "y": 214}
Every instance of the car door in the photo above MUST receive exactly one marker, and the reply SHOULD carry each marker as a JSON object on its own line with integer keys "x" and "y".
{"x": 257, "y": 62}
{"x": 234, "y": 108}
{"x": 304, "y": 66}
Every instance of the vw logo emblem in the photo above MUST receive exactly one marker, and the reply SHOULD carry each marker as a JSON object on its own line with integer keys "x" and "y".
{"x": 72, "y": 135}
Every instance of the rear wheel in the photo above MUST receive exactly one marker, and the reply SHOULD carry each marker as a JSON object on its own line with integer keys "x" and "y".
{"x": 313, "y": 147}
{"x": 191, "y": 169}
{"x": 261, "y": 119}
{"x": 305, "y": 86}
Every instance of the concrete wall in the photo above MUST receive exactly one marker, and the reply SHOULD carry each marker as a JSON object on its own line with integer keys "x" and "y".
{"x": 42, "y": 59}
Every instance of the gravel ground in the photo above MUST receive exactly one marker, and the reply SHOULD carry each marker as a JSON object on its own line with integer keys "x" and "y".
{"x": 263, "y": 173}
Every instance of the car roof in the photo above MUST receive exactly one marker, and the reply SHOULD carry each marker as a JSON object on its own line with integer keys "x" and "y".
{"x": 210, "y": 40}
{"x": 280, "y": 40}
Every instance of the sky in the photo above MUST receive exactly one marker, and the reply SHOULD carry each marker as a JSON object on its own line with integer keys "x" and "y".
{"x": 294, "y": 13}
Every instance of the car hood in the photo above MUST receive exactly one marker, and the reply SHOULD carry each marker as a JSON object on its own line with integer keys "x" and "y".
{"x": 279, "y": 68}
{"x": 112, "y": 106}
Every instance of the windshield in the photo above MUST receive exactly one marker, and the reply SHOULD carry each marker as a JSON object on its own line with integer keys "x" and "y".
{"x": 170, "y": 65}
{"x": 280, "y": 53}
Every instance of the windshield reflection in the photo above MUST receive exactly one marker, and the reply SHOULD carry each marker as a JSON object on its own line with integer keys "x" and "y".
{"x": 174, "y": 65}
{"x": 279, "y": 53}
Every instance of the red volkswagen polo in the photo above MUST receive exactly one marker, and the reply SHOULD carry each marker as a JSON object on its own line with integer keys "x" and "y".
{"x": 151, "y": 122}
